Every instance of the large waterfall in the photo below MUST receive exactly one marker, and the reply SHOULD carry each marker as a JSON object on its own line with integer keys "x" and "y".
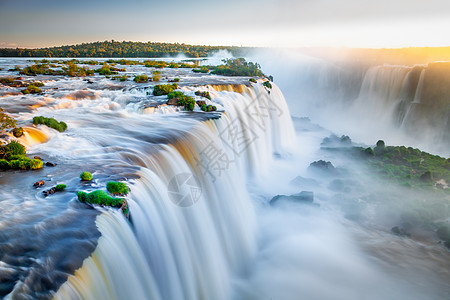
{"x": 406, "y": 104}
{"x": 194, "y": 247}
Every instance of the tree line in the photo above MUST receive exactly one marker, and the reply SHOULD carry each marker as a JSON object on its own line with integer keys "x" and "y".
{"x": 120, "y": 49}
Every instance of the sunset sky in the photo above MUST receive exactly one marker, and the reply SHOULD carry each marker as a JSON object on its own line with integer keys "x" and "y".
{"x": 276, "y": 23}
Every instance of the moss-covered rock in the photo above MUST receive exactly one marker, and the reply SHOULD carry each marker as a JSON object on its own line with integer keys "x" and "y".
{"x": 99, "y": 197}
{"x": 86, "y": 176}
{"x": 117, "y": 188}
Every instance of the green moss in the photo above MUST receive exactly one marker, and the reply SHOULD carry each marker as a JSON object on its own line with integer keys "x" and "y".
{"x": 50, "y": 122}
{"x": 4, "y": 164}
{"x": 99, "y": 197}
{"x": 60, "y": 187}
{"x": 164, "y": 89}
{"x": 32, "y": 89}
{"x": 252, "y": 80}
{"x": 267, "y": 84}
{"x": 86, "y": 176}
{"x": 204, "y": 94}
{"x": 115, "y": 187}
{"x": 182, "y": 100}
{"x": 17, "y": 132}
{"x": 201, "y": 70}
{"x": 35, "y": 164}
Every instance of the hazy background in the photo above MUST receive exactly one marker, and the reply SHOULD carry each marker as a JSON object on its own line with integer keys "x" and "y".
{"x": 279, "y": 23}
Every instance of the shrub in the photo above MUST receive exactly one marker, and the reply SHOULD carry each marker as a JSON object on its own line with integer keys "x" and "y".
{"x": 115, "y": 187}
{"x": 50, "y": 122}
{"x": 238, "y": 67}
{"x": 99, "y": 197}
{"x": 6, "y": 121}
{"x": 32, "y": 89}
{"x": 86, "y": 176}
{"x": 252, "y": 80}
{"x": 427, "y": 176}
{"x": 140, "y": 78}
{"x": 369, "y": 151}
{"x": 37, "y": 83}
{"x": 34, "y": 164}
{"x": 156, "y": 77}
{"x": 203, "y": 94}
{"x": 121, "y": 78}
{"x": 176, "y": 79}
{"x": 201, "y": 70}
{"x": 4, "y": 164}
{"x": 60, "y": 187}
{"x": 15, "y": 148}
{"x": 267, "y": 84}
{"x": 164, "y": 89}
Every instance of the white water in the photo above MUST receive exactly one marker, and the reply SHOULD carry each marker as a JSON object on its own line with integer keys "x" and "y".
{"x": 191, "y": 252}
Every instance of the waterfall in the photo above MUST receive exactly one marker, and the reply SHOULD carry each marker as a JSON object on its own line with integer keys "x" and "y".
{"x": 192, "y": 224}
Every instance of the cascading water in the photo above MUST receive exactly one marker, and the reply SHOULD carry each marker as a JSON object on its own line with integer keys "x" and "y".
{"x": 190, "y": 252}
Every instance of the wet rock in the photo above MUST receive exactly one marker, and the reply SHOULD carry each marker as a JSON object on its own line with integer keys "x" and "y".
{"x": 17, "y": 132}
{"x": 50, "y": 164}
{"x": 39, "y": 183}
{"x": 37, "y": 157}
{"x": 173, "y": 101}
{"x": 322, "y": 166}
{"x": 304, "y": 182}
{"x": 304, "y": 197}
{"x": 400, "y": 231}
{"x": 49, "y": 192}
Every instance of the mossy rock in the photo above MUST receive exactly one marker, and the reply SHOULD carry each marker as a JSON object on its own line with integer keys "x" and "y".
{"x": 86, "y": 176}
{"x": 99, "y": 197}
{"x": 117, "y": 188}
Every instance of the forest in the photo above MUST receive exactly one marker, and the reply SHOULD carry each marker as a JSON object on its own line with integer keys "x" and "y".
{"x": 120, "y": 49}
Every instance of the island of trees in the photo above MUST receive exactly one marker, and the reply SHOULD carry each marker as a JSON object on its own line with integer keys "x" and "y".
{"x": 120, "y": 49}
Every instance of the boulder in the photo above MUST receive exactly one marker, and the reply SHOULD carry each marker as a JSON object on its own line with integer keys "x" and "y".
{"x": 304, "y": 197}
{"x": 322, "y": 166}
{"x": 49, "y": 192}
{"x": 50, "y": 164}
{"x": 39, "y": 183}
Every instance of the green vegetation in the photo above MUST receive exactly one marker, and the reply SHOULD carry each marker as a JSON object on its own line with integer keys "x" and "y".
{"x": 238, "y": 67}
{"x": 119, "y": 49}
{"x": 208, "y": 108}
{"x": 70, "y": 69}
{"x": 203, "y": 94}
{"x": 164, "y": 89}
{"x": 32, "y": 89}
{"x": 60, "y": 187}
{"x": 155, "y": 64}
{"x": 121, "y": 78}
{"x": 117, "y": 188}
{"x": 408, "y": 166}
{"x": 252, "y": 80}
{"x": 182, "y": 100}
{"x": 267, "y": 84}
{"x": 86, "y": 176}
{"x": 156, "y": 77}
{"x": 140, "y": 78}
{"x": 108, "y": 70}
{"x": 50, "y": 122}
{"x": 12, "y": 156}
{"x": 99, "y": 197}
{"x": 201, "y": 70}
{"x": 6, "y": 121}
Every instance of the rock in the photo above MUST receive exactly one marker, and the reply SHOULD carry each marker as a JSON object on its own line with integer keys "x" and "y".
{"x": 322, "y": 165}
{"x": 49, "y": 192}
{"x": 17, "y": 132}
{"x": 39, "y": 183}
{"x": 400, "y": 231}
{"x": 173, "y": 101}
{"x": 37, "y": 157}
{"x": 304, "y": 197}
{"x": 50, "y": 164}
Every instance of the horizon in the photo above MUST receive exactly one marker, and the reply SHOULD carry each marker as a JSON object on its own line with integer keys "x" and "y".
{"x": 265, "y": 23}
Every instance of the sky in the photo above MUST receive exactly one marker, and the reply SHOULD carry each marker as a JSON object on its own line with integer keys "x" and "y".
{"x": 273, "y": 23}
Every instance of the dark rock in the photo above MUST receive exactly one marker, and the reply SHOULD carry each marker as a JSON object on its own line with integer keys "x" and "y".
{"x": 50, "y": 164}
{"x": 49, "y": 192}
{"x": 173, "y": 101}
{"x": 17, "y": 132}
{"x": 400, "y": 231}
{"x": 322, "y": 165}
{"x": 37, "y": 157}
{"x": 39, "y": 183}
{"x": 302, "y": 197}
{"x": 335, "y": 141}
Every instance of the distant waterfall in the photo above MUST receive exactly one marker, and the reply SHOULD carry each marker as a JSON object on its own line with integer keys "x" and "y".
{"x": 188, "y": 242}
